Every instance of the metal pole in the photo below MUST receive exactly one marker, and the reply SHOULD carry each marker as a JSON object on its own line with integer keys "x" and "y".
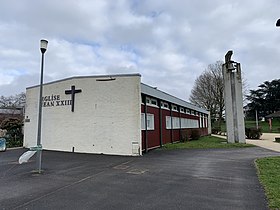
{"x": 257, "y": 122}
{"x": 146, "y": 126}
{"x": 39, "y": 151}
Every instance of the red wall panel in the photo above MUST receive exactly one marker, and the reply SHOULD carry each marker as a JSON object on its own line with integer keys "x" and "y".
{"x": 154, "y": 135}
{"x": 166, "y": 133}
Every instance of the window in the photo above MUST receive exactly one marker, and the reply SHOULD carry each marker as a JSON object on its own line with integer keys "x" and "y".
{"x": 151, "y": 101}
{"x": 164, "y": 105}
{"x": 176, "y": 122}
{"x": 168, "y": 122}
{"x": 150, "y": 122}
{"x": 182, "y": 110}
{"x": 154, "y": 102}
{"x": 142, "y": 99}
{"x": 188, "y": 111}
{"x": 192, "y": 112}
{"x": 189, "y": 123}
{"x": 185, "y": 123}
{"x": 174, "y": 108}
{"x": 142, "y": 121}
{"x": 193, "y": 123}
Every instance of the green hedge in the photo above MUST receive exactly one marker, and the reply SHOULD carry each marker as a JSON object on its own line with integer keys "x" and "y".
{"x": 253, "y": 133}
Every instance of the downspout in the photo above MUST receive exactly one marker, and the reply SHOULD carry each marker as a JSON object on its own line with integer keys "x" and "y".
{"x": 160, "y": 123}
{"x": 180, "y": 131}
{"x": 171, "y": 122}
{"x": 146, "y": 128}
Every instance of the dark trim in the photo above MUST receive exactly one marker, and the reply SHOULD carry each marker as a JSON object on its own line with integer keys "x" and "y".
{"x": 180, "y": 131}
{"x": 146, "y": 127}
{"x": 88, "y": 77}
{"x": 171, "y": 133}
{"x": 156, "y": 93}
{"x": 151, "y": 148}
{"x": 106, "y": 80}
{"x": 160, "y": 123}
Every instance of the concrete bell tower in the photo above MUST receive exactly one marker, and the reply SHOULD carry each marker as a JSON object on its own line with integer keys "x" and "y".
{"x": 233, "y": 100}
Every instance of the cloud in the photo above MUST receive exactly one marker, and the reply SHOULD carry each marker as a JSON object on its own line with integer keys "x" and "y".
{"x": 169, "y": 42}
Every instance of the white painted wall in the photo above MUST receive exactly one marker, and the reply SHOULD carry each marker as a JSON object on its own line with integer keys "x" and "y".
{"x": 106, "y": 119}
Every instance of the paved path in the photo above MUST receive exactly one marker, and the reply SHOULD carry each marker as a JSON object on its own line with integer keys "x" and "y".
{"x": 178, "y": 179}
{"x": 266, "y": 141}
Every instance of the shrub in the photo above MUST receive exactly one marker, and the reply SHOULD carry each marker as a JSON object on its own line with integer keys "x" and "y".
{"x": 195, "y": 134}
{"x": 184, "y": 135}
{"x": 14, "y": 136}
{"x": 216, "y": 130}
{"x": 253, "y": 133}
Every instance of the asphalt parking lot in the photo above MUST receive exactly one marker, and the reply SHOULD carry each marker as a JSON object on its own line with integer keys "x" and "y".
{"x": 178, "y": 179}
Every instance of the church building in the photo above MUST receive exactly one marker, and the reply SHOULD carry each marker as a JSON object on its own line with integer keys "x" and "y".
{"x": 109, "y": 114}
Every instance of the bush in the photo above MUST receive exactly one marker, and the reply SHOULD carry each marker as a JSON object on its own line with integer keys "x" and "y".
{"x": 184, "y": 135}
{"x": 253, "y": 133}
{"x": 14, "y": 136}
{"x": 216, "y": 130}
{"x": 195, "y": 134}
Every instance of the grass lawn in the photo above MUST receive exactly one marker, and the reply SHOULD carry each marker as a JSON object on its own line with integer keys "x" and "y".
{"x": 265, "y": 126}
{"x": 252, "y": 124}
{"x": 269, "y": 175}
{"x": 204, "y": 143}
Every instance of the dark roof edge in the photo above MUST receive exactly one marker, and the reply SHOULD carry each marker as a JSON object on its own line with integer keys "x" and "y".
{"x": 152, "y": 91}
{"x": 93, "y": 76}
{"x": 275, "y": 114}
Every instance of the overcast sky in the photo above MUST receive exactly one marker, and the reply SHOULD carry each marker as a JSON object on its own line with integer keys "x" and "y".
{"x": 169, "y": 42}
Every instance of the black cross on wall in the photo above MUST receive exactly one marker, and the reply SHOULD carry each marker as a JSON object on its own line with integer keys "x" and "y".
{"x": 73, "y": 91}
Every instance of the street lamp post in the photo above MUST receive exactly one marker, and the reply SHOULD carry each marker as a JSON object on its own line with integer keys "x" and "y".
{"x": 43, "y": 48}
{"x": 278, "y": 23}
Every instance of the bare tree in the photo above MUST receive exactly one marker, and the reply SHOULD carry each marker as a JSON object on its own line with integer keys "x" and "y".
{"x": 208, "y": 91}
{"x": 12, "y": 106}
{"x": 14, "y": 101}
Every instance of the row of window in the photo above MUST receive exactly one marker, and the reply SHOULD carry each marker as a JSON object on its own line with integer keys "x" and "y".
{"x": 165, "y": 105}
{"x": 171, "y": 122}
{"x": 185, "y": 123}
{"x": 150, "y": 122}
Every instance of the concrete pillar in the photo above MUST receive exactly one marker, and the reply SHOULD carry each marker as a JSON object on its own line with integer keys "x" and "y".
{"x": 208, "y": 123}
{"x": 233, "y": 101}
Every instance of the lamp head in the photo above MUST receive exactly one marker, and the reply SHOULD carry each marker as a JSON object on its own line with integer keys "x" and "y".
{"x": 43, "y": 45}
{"x": 278, "y": 23}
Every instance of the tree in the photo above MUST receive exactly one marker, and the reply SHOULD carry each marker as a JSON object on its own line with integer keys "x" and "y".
{"x": 13, "y": 101}
{"x": 208, "y": 91}
{"x": 265, "y": 100}
{"x": 12, "y": 106}
{"x": 14, "y": 135}
{"x": 11, "y": 118}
